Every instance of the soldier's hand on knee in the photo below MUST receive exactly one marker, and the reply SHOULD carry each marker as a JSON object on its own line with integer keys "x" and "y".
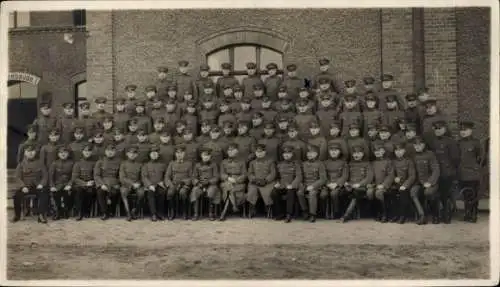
{"x": 90, "y": 183}
{"x": 356, "y": 185}
{"x": 332, "y": 185}
{"x": 25, "y": 189}
{"x": 427, "y": 185}
{"x": 310, "y": 188}
{"x": 380, "y": 187}
{"x": 104, "y": 187}
{"x": 136, "y": 185}
{"x": 67, "y": 187}
{"x": 397, "y": 180}
{"x": 402, "y": 188}
{"x": 39, "y": 186}
{"x": 152, "y": 188}
{"x": 231, "y": 179}
{"x": 277, "y": 185}
{"x": 53, "y": 189}
{"x": 161, "y": 184}
{"x": 289, "y": 186}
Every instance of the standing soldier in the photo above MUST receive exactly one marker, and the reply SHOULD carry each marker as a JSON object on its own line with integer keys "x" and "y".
{"x": 380, "y": 189}
{"x": 325, "y": 88}
{"x": 162, "y": 82}
{"x": 400, "y": 135}
{"x": 167, "y": 147}
{"x": 412, "y": 112}
{"x": 121, "y": 116}
{"x": 226, "y": 79}
{"x": 326, "y": 113}
{"x": 151, "y": 94}
{"x": 31, "y": 173}
{"x": 142, "y": 147}
{"x": 447, "y": 154}
{"x": 225, "y": 115}
{"x": 245, "y": 142}
{"x": 208, "y": 110}
{"x": 257, "y": 130}
{"x": 371, "y": 138}
{"x": 228, "y": 133}
{"x": 292, "y": 82}
{"x": 157, "y": 109}
{"x": 432, "y": 115}
{"x": 203, "y": 79}
{"x": 205, "y": 179}
{"x": 152, "y": 174}
{"x": 360, "y": 176}
{"x": 66, "y": 123}
{"x": 337, "y": 172}
{"x": 233, "y": 176}
{"x": 261, "y": 176}
{"x": 422, "y": 97}
{"x": 324, "y": 66}
{"x": 184, "y": 81}
{"x": 107, "y": 129}
{"x": 387, "y": 90}
{"x": 180, "y": 126}
{"x": 82, "y": 178}
{"x": 215, "y": 144}
{"x": 268, "y": 113}
{"x": 289, "y": 180}
{"x": 86, "y": 121}
{"x": 48, "y": 152}
{"x": 293, "y": 140}
{"x": 172, "y": 114}
{"x": 304, "y": 118}
{"x": 205, "y": 128}
{"x": 314, "y": 180}
{"x": 392, "y": 112}
{"x": 130, "y": 181}
{"x": 245, "y": 111}
{"x": 61, "y": 184}
{"x": 270, "y": 141}
{"x": 158, "y": 128}
{"x": 187, "y": 97}
{"x": 428, "y": 173}
{"x": 252, "y": 79}
{"x": 106, "y": 173}
{"x": 355, "y": 139}
{"x": 257, "y": 96}
{"x": 208, "y": 91}
{"x": 469, "y": 170}
{"x": 120, "y": 143}
{"x": 178, "y": 182}
{"x": 404, "y": 178}
{"x": 273, "y": 82}
{"x": 100, "y": 113}
{"x": 334, "y": 137}
{"x": 190, "y": 117}
{"x": 384, "y": 135}
{"x": 227, "y": 93}
{"x": 371, "y": 112}
{"x": 282, "y": 95}
{"x": 44, "y": 123}
{"x": 316, "y": 139}
{"x": 350, "y": 114}
{"x": 143, "y": 120}
{"x": 30, "y": 141}
{"x": 130, "y": 91}
{"x": 99, "y": 145}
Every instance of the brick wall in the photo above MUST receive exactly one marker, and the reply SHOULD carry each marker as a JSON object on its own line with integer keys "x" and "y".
{"x": 440, "y": 59}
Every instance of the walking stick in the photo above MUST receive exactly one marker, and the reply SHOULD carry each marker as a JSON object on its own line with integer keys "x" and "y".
{"x": 226, "y": 203}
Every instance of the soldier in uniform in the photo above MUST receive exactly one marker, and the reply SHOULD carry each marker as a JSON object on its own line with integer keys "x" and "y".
{"x": 316, "y": 139}
{"x": 151, "y": 94}
{"x": 120, "y": 143}
{"x": 245, "y": 112}
{"x": 143, "y": 120}
{"x": 313, "y": 181}
{"x": 167, "y": 147}
{"x": 304, "y": 95}
{"x": 371, "y": 112}
{"x": 304, "y": 119}
{"x": 86, "y": 121}
{"x": 190, "y": 144}
{"x": 172, "y": 114}
{"x": 107, "y": 129}
{"x": 60, "y": 183}
{"x": 190, "y": 117}
{"x": 257, "y": 96}
{"x": 372, "y": 137}
{"x": 215, "y": 144}
{"x": 324, "y": 67}
{"x": 157, "y": 110}
{"x": 337, "y": 172}
{"x": 162, "y": 82}
{"x": 326, "y": 113}
{"x": 412, "y": 112}
{"x": 245, "y": 142}
{"x": 225, "y": 115}
{"x": 208, "y": 91}
{"x": 469, "y": 172}
{"x": 387, "y": 90}
{"x": 238, "y": 98}
{"x": 130, "y": 181}
{"x": 334, "y": 137}
{"x": 152, "y": 174}
{"x": 158, "y": 128}
{"x": 185, "y": 82}
{"x": 180, "y": 126}
{"x": 404, "y": 178}
{"x": 428, "y": 173}
{"x": 172, "y": 94}
{"x": 203, "y": 79}
{"x": 30, "y": 141}
{"x": 66, "y": 123}
{"x": 286, "y": 109}
{"x": 178, "y": 182}
{"x": 252, "y": 79}
{"x": 432, "y": 115}
{"x": 261, "y": 177}
{"x": 325, "y": 88}
{"x": 350, "y": 89}
{"x": 209, "y": 110}
{"x": 233, "y": 177}
{"x": 142, "y": 146}
{"x": 32, "y": 176}
{"x": 292, "y": 82}
{"x": 44, "y": 123}
{"x": 423, "y": 96}
{"x": 288, "y": 182}
{"x": 267, "y": 110}
{"x": 380, "y": 189}
{"x": 121, "y": 116}
{"x": 384, "y": 134}
{"x": 273, "y": 82}
{"x": 228, "y": 134}
{"x": 100, "y": 113}
{"x": 447, "y": 154}
{"x": 226, "y": 79}
{"x": 282, "y": 130}
{"x": 99, "y": 145}
{"x": 270, "y": 141}
{"x": 410, "y": 135}
{"x": 293, "y": 140}
{"x": 130, "y": 91}
{"x": 48, "y": 152}
{"x": 369, "y": 84}
{"x": 360, "y": 176}
{"x": 282, "y": 95}
{"x": 205, "y": 180}
{"x": 400, "y": 135}
{"x": 205, "y": 128}
{"x": 355, "y": 139}
{"x": 392, "y": 111}
{"x": 257, "y": 130}
{"x": 227, "y": 93}
{"x": 106, "y": 178}
{"x": 82, "y": 178}
{"x": 350, "y": 114}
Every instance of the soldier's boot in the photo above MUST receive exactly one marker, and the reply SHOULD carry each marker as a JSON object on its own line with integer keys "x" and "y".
{"x": 401, "y": 210}
{"x": 211, "y": 212}
{"x": 288, "y": 218}
{"x": 312, "y": 218}
{"x": 383, "y": 214}
{"x": 421, "y": 216}
{"x": 348, "y": 213}
{"x": 251, "y": 211}
{"x": 269, "y": 211}
{"x": 467, "y": 210}
{"x": 196, "y": 207}
{"x": 80, "y": 216}
{"x": 475, "y": 209}
{"x": 154, "y": 217}
{"x": 394, "y": 205}
{"x": 435, "y": 211}
{"x": 185, "y": 210}
{"x": 42, "y": 218}
{"x": 171, "y": 209}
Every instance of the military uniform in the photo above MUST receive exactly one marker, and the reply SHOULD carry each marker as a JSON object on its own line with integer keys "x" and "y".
{"x": 383, "y": 171}
{"x": 201, "y": 81}
{"x": 350, "y": 86}
{"x": 271, "y": 142}
{"x": 99, "y": 145}
{"x": 130, "y": 181}
{"x": 48, "y": 152}
{"x": 131, "y": 99}
{"x": 245, "y": 144}
{"x": 428, "y": 121}
{"x": 205, "y": 128}
{"x": 392, "y": 115}
{"x": 151, "y": 97}
{"x": 273, "y": 82}
{"x": 215, "y": 145}
{"x": 100, "y": 114}
{"x": 326, "y": 114}
{"x": 32, "y": 174}
{"x": 268, "y": 113}
{"x": 225, "y": 114}
{"x": 44, "y": 125}
{"x": 245, "y": 114}
{"x": 318, "y": 141}
{"x": 143, "y": 120}
{"x": 282, "y": 128}
{"x": 337, "y": 172}
{"x": 157, "y": 110}
{"x": 357, "y": 141}
{"x": 59, "y": 177}
{"x": 249, "y": 82}
{"x": 390, "y": 92}
{"x": 162, "y": 82}
{"x": 206, "y": 179}
{"x": 233, "y": 176}
{"x": 387, "y": 143}
{"x": 121, "y": 117}
{"x": 304, "y": 119}
{"x": 191, "y": 147}
{"x": 185, "y": 82}
{"x": 238, "y": 98}
{"x": 298, "y": 145}
{"x": 143, "y": 147}
{"x": 350, "y": 116}
{"x": 400, "y": 135}
{"x": 257, "y": 130}
{"x": 31, "y": 142}
{"x": 82, "y": 178}
{"x": 335, "y": 83}
{"x": 371, "y": 116}
{"x": 152, "y": 175}
{"x": 286, "y": 110}
{"x": 190, "y": 117}
{"x": 225, "y": 80}
{"x": 315, "y": 177}
{"x": 120, "y": 144}
{"x": 106, "y": 173}
{"x": 257, "y": 97}
{"x": 292, "y": 82}
{"x": 178, "y": 180}
{"x": 261, "y": 176}
{"x": 335, "y": 138}
{"x": 289, "y": 180}
{"x": 158, "y": 129}
{"x": 412, "y": 114}
{"x": 404, "y": 179}
{"x": 86, "y": 121}
{"x": 166, "y": 149}
{"x": 66, "y": 123}
{"x": 410, "y": 149}
{"x": 107, "y": 130}
{"x": 305, "y": 96}
{"x": 209, "y": 113}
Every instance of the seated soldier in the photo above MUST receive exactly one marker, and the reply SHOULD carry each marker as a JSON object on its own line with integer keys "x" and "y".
{"x": 152, "y": 174}
{"x": 60, "y": 183}
{"x": 205, "y": 180}
{"x": 313, "y": 181}
{"x": 130, "y": 180}
{"x": 82, "y": 178}
{"x": 261, "y": 176}
{"x": 405, "y": 174}
{"x": 289, "y": 180}
{"x": 33, "y": 178}
{"x": 337, "y": 172}
{"x": 106, "y": 177}
{"x": 178, "y": 180}
{"x": 233, "y": 175}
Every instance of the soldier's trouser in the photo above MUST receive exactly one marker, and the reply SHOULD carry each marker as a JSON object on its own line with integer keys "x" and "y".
{"x": 264, "y": 191}
{"x": 445, "y": 194}
{"x": 355, "y": 194}
{"x": 290, "y": 200}
{"x": 83, "y": 198}
{"x": 139, "y": 201}
{"x": 401, "y": 203}
{"x": 42, "y": 196}
{"x": 61, "y": 196}
{"x": 334, "y": 195}
{"x": 182, "y": 190}
{"x": 430, "y": 195}
{"x": 156, "y": 200}
{"x": 213, "y": 194}
{"x": 104, "y": 195}
{"x": 236, "y": 193}
{"x": 471, "y": 199}
{"x": 311, "y": 205}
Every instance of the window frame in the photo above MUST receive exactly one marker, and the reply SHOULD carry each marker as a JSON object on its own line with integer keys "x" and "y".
{"x": 15, "y": 23}
{"x": 79, "y": 14}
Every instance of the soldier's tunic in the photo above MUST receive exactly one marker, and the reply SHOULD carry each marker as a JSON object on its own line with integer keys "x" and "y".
{"x": 121, "y": 147}
{"x": 249, "y": 82}
{"x": 258, "y": 170}
{"x": 178, "y": 178}
{"x": 130, "y": 105}
{"x": 216, "y": 146}
{"x": 143, "y": 149}
{"x": 427, "y": 168}
{"x": 185, "y": 82}
{"x": 470, "y": 154}
{"x": 298, "y": 146}
{"x": 60, "y": 173}
{"x": 108, "y": 136}
{"x": 383, "y": 171}
{"x": 272, "y": 147}
{"x": 246, "y": 144}
{"x": 171, "y": 118}
{"x": 130, "y": 173}
{"x": 325, "y": 117}
{"x": 388, "y": 145}
{"x": 226, "y": 117}
{"x": 272, "y": 84}
{"x": 399, "y": 137}
{"x": 410, "y": 148}
{"x": 144, "y": 123}
{"x": 161, "y": 88}
{"x": 100, "y": 115}
{"x": 289, "y": 173}
{"x": 89, "y": 124}
{"x": 335, "y": 83}
{"x": 329, "y": 94}
{"x": 202, "y": 138}
{"x": 152, "y": 174}
{"x": 337, "y": 171}
{"x": 191, "y": 122}
{"x": 210, "y": 115}
{"x": 167, "y": 152}
{"x": 256, "y": 104}
{"x": 245, "y": 115}
{"x": 30, "y": 173}
{"x": 106, "y": 172}
{"x": 373, "y": 117}
{"x": 191, "y": 152}
{"x": 391, "y": 117}
{"x": 288, "y": 113}
{"x": 98, "y": 150}
{"x": 447, "y": 154}
{"x": 66, "y": 125}
{"x": 257, "y": 132}
{"x": 344, "y": 149}
{"x": 206, "y": 176}
{"x": 225, "y": 141}
{"x": 22, "y": 147}
{"x": 315, "y": 176}
{"x": 83, "y": 172}
{"x": 154, "y": 138}
{"x": 427, "y": 125}
{"x": 360, "y": 172}
{"x": 223, "y": 81}
{"x": 348, "y": 117}
{"x": 412, "y": 115}
{"x": 303, "y": 122}
{"x": 237, "y": 169}
{"x": 269, "y": 114}
{"x": 293, "y": 84}
{"x": 157, "y": 113}
{"x": 44, "y": 125}
{"x": 120, "y": 120}
{"x": 321, "y": 143}
{"x": 48, "y": 153}
{"x": 200, "y": 85}
{"x": 404, "y": 169}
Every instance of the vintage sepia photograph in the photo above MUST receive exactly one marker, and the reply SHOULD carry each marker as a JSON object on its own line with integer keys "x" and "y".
{"x": 168, "y": 142}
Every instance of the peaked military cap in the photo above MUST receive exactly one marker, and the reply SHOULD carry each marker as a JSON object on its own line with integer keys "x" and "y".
{"x": 100, "y": 100}
{"x": 287, "y": 149}
{"x": 324, "y": 61}
{"x": 251, "y": 65}
{"x": 183, "y": 63}
{"x": 258, "y": 87}
{"x": 30, "y": 147}
{"x": 140, "y": 103}
{"x": 226, "y": 66}
{"x": 391, "y": 98}
{"x": 150, "y": 88}
{"x": 324, "y": 80}
{"x": 418, "y": 140}
{"x": 110, "y": 146}
{"x": 257, "y": 115}
{"x": 387, "y": 77}
{"x": 208, "y": 84}
{"x": 334, "y": 146}
{"x": 291, "y": 67}
{"x": 84, "y": 105}
{"x": 269, "y": 125}
{"x": 358, "y": 148}
{"x": 439, "y": 124}
{"x": 350, "y": 83}
{"x": 312, "y": 148}
{"x": 172, "y": 87}
{"x": 31, "y": 128}
{"x": 260, "y": 147}
{"x": 204, "y": 67}
{"x": 154, "y": 148}
{"x": 271, "y": 66}
{"x": 411, "y": 97}
{"x": 131, "y": 87}
{"x": 162, "y": 69}
{"x": 54, "y": 131}
{"x": 282, "y": 88}
{"x": 466, "y": 125}
{"x": 313, "y": 124}
{"x": 180, "y": 148}
{"x": 63, "y": 148}
{"x": 88, "y": 147}
{"x": 237, "y": 88}
{"x": 399, "y": 146}
{"x": 369, "y": 80}
{"x": 120, "y": 100}
{"x": 68, "y": 105}
{"x": 411, "y": 126}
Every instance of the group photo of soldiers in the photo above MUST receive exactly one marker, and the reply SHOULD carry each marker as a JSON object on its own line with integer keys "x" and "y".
{"x": 284, "y": 148}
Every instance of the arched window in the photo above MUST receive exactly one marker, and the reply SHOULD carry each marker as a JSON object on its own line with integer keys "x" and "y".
{"x": 239, "y": 55}
{"x": 22, "y": 90}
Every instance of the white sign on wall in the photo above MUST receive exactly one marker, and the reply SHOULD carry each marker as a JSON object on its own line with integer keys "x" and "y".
{"x": 24, "y": 77}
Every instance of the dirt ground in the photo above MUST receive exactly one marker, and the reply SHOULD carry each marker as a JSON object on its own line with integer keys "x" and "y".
{"x": 244, "y": 249}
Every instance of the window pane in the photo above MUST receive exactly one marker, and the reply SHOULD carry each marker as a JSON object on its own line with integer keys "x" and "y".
{"x": 28, "y": 91}
{"x": 12, "y": 20}
{"x": 269, "y": 56}
{"x": 15, "y": 91}
{"x": 216, "y": 59}
{"x": 23, "y": 19}
{"x": 243, "y": 55}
